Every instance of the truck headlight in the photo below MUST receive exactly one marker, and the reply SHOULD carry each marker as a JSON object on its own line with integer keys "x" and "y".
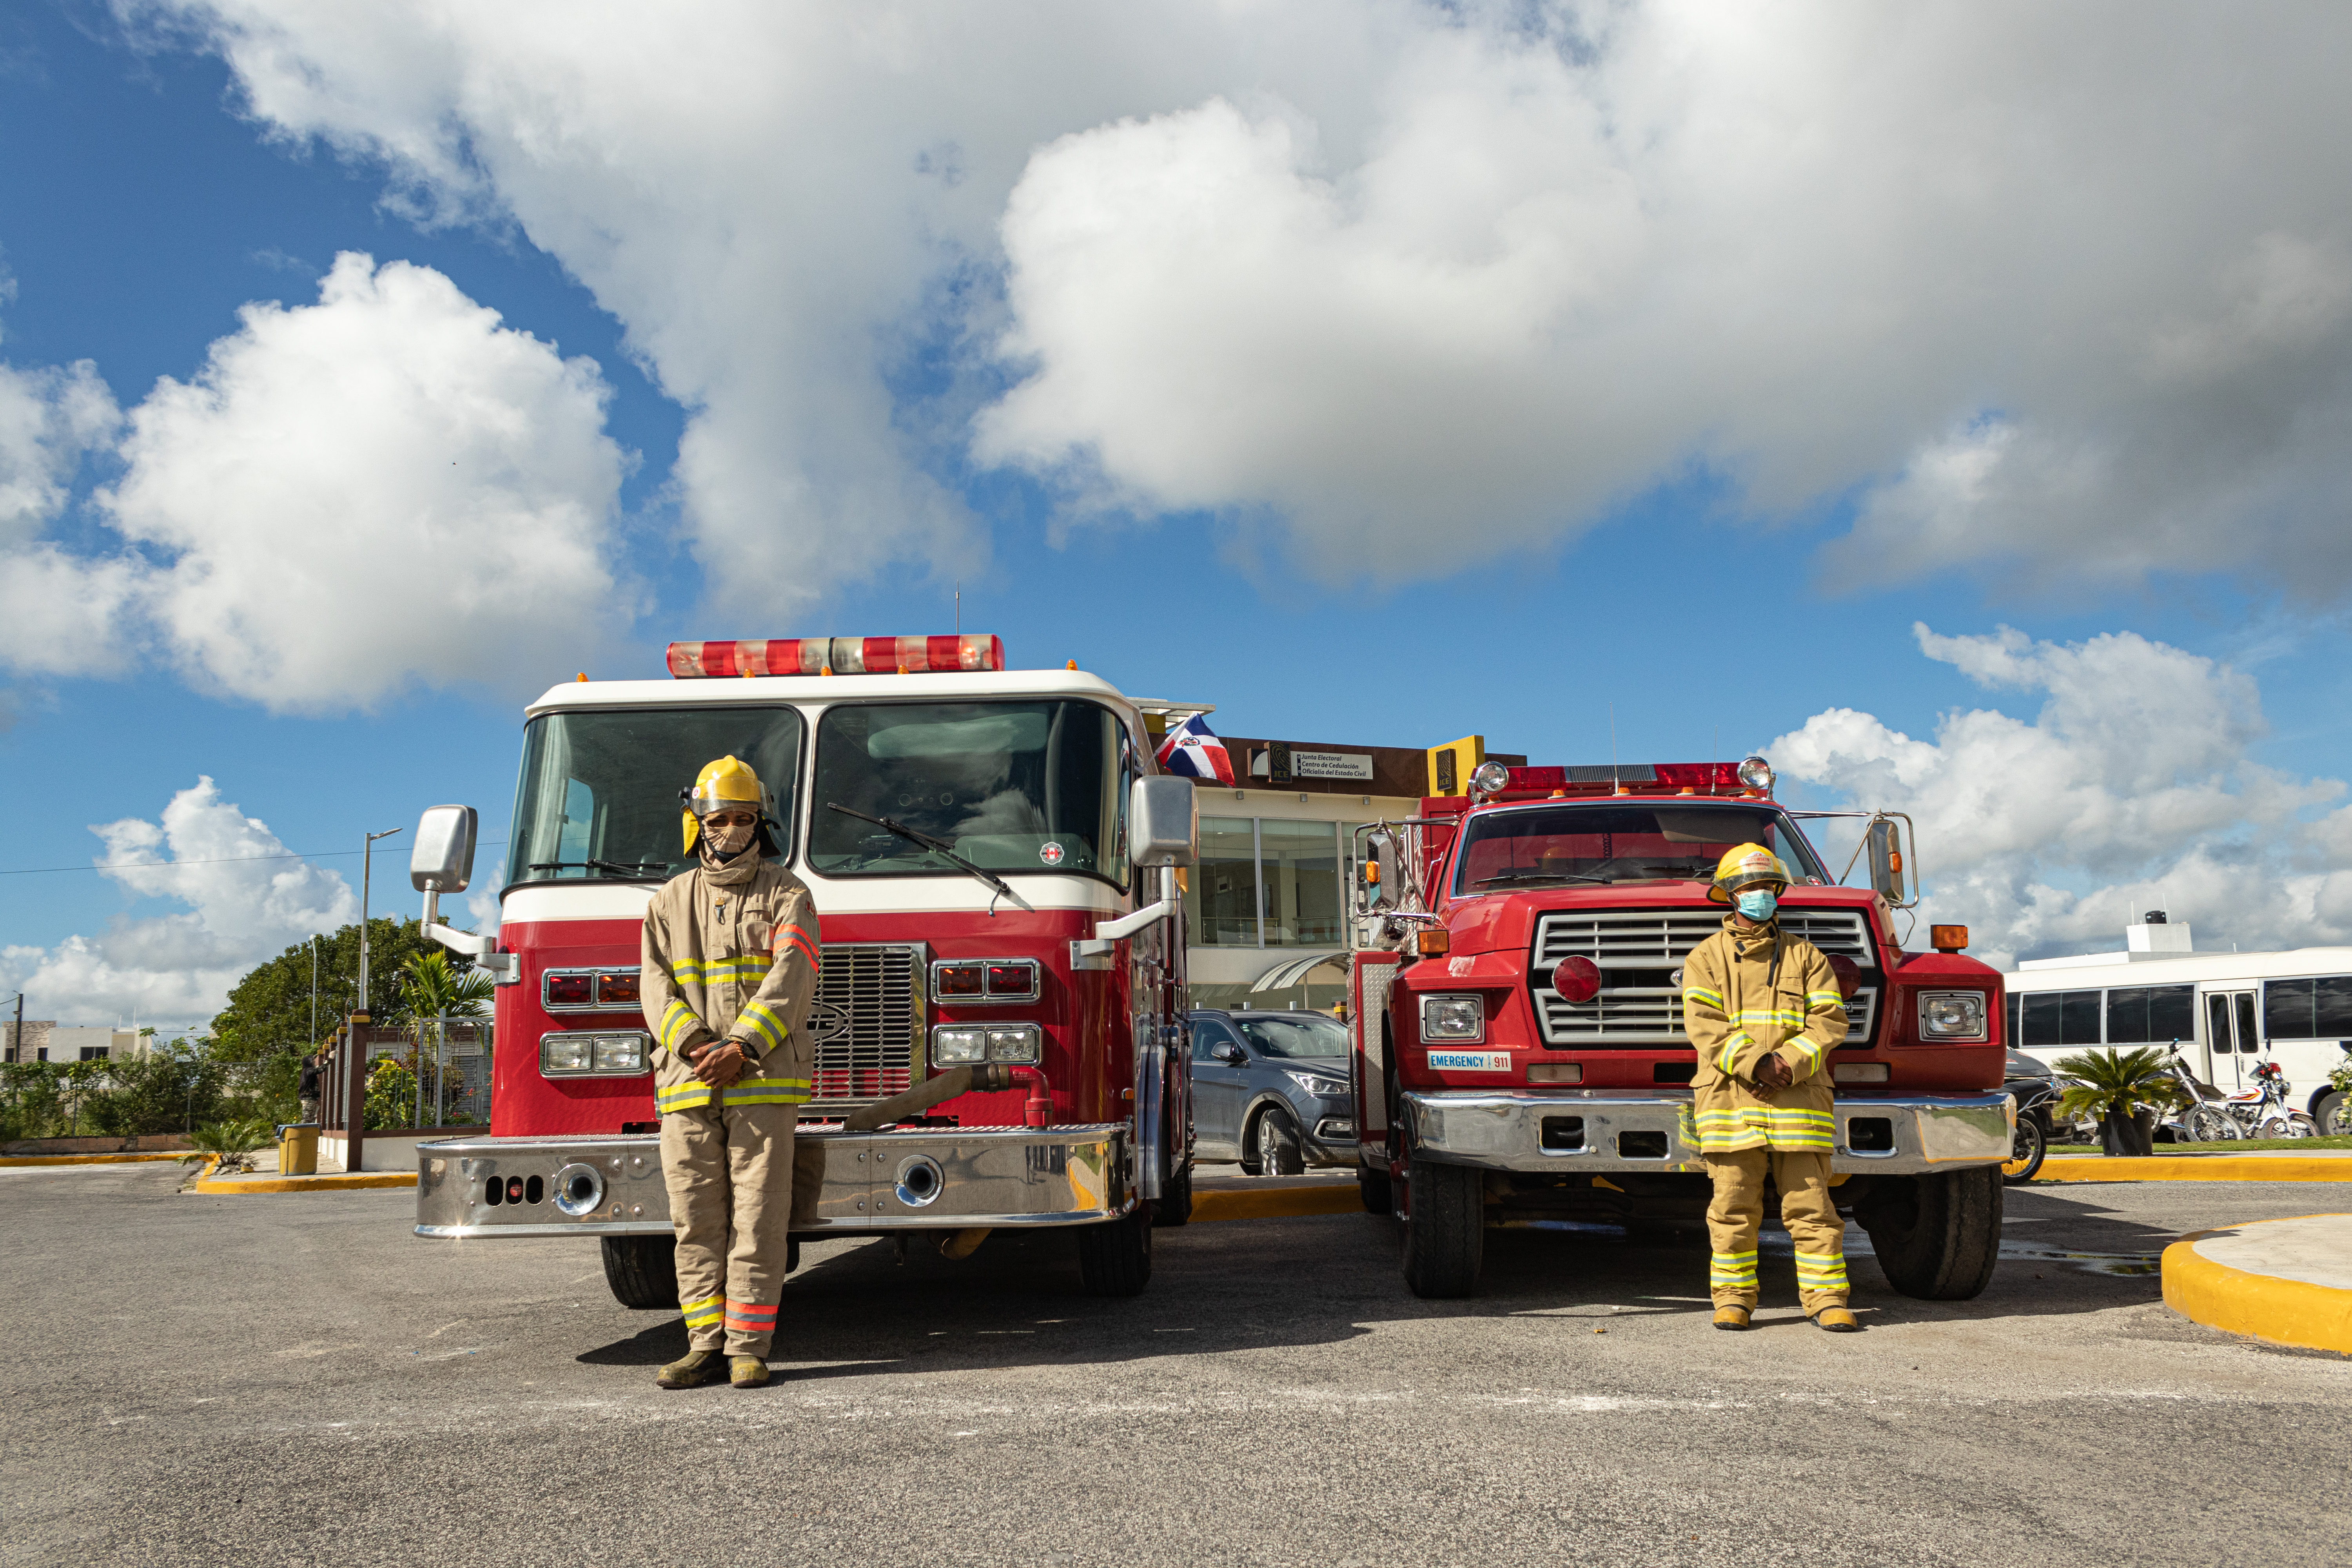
{"x": 1013, "y": 1042}
{"x": 565, "y": 1053}
{"x": 1452, "y": 1018}
{"x": 591, "y": 1053}
{"x": 1952, "y": 1016}
{"x": 619, "y": 1053}
{"x": 955, "y": 1043}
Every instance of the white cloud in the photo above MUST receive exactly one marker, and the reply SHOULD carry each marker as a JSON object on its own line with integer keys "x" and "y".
{"x": 2068, "y": 284}
{"x": 245, "y": 901}
{"x": 2132, "y": 789}
{"x": 384, "y": 489}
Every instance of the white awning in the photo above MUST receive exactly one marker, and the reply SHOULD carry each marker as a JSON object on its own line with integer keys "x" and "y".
{"x": 1293, "y": 971}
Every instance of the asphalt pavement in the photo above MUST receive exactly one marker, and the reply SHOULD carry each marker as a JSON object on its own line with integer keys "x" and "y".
{"x": 297, "y": 1380}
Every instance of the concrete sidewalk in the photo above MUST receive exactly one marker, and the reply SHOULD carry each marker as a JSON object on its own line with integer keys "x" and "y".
{"x": 2285, "y": 1280}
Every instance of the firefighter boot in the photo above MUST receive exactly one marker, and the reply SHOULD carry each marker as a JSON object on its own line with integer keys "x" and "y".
{"x": 746, "y": 1371}
{"x": 1731, "y": 1317}
{"x": 1837, "y": 1321}
{"x": 692, "y": 1370}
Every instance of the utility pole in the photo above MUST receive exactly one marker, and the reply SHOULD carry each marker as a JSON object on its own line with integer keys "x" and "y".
{"x": 367, "y": 866}
{"x": 16, "y": 1046}
{"x": 314, "y": 991}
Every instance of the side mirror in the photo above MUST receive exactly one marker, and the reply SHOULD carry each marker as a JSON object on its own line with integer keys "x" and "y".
{"x": 442, "y": 858}
{"x": 1887, "y": 862}
{"x": 1227, "y": 1052}
{"x": 1163, "y": 822}
{"x": 1380, "y": 874}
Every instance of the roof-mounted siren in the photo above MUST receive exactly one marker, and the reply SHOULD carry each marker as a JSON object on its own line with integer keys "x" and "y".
{"x": 837, "y": 656}
{"x": 1488, "y": 779}
{"x": 1756, "y": 774}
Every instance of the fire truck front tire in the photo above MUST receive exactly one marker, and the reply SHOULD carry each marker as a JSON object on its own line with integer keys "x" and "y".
{"x": 1115, "y": 1257}
{"x": 1937, "y": 1236}
{"x": 641, "y": 1270}
{"x": 1444, "y": 1229}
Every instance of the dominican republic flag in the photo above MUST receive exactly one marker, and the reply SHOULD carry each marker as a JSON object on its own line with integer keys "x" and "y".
{"x": 1193, "y": 750}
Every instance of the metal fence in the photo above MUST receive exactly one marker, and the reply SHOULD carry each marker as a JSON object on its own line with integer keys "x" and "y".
{"x": 425, "y": 1073}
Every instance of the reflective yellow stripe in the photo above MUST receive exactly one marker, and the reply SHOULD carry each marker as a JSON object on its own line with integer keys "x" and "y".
{"x": 683, "y": 1097}
{"x": 1811, "y": 1051}
{"x": 707, "y": 970}
{"x": 1731, "y": 1269}
{"x": 705, "y": 1312}
{"x": 1819, "y": 997}
{"x": 1727, "y": 1058}
{"x": 763, "y": 1017}
{"x": 678, "y": 1020}
{"x": 1701, "y": 994}
{"x": 768, "y": 1092}
{"x": 1818, "y": 1271}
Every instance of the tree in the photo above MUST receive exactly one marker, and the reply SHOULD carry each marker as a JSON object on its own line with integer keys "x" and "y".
{"x": 2113, "y": 1087}
{"x": 432, "y": 988}
{"x": 269, "y": 1010}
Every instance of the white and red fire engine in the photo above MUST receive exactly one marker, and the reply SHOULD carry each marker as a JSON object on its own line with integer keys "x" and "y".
{"x": 993, "y": 854}
{"x": 1519, "y": 1053}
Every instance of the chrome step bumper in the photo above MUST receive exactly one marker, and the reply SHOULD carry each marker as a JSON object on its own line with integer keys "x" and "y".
{"x": 919, "y": 1179}
{"x": 1602, "y": 1130}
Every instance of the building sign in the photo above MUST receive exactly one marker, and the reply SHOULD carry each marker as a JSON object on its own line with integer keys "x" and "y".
{"x": 1332, "y": 765}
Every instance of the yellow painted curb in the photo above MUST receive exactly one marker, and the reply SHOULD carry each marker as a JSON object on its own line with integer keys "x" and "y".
{"x": 2198, "y": 1168}
{"x": 328, "y": 1184}
{"x": 2284, "y": 1311}
{"x": 1277, "y": 1202}
{"x": 85, "y": 1159}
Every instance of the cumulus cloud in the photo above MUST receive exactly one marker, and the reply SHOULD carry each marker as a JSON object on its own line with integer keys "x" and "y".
{"x": 2131, "y": 789}
{"x": 245, "y": 900}
{"x": 2066, "y": 286}
{"x": 382, "y": 489}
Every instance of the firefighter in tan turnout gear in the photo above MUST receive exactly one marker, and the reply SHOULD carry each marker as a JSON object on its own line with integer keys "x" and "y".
{"x": 730, "y": 962}
{"x": 1764, "y": 1011}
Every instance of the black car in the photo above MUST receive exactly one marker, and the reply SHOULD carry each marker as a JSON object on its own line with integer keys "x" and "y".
{"x": 1271, "y": 1091}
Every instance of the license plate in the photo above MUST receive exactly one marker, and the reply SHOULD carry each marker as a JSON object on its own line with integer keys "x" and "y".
{"x": 1469, "y": 1061}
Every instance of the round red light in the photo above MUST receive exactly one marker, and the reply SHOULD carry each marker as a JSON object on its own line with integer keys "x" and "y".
{"x": 1576, "y": 979}
{"x": 1848, "y": 973}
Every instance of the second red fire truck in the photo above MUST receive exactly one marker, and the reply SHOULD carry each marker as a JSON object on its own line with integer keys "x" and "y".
{"x": 1519, "y": 1054}
{"x": 993, "y": 855}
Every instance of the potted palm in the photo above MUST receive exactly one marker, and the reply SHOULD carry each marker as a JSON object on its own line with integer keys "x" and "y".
{"x": 2122, "y": 1090}
{"x": 227, "y": 1146}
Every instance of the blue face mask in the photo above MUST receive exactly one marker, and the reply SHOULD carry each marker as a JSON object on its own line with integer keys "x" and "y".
{"x": 1758, "y": 903}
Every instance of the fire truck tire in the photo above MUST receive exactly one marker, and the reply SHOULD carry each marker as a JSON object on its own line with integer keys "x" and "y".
{"x": 1372, "y": 1187}
{"x": 1115, "y": 1257}
{"x": 1937, "y": 1236}
{"x": 641, "y": 1270}
{"x": 1445, "y": 1228}
{"x": 1174, "y": 1204}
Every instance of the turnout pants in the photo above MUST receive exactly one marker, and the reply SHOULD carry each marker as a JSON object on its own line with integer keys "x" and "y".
{"x": 1737, "y": 1213}
{"x": 730, "y": 1175}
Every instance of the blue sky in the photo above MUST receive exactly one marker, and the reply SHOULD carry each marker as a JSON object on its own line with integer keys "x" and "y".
{"x": 143, "y": 203}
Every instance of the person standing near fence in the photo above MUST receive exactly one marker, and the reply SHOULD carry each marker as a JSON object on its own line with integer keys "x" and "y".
{"x": 729, "y": 969}
{"x": 307, "y": 1087}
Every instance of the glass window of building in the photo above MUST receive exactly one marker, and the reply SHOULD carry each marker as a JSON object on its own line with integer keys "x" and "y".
{"x": 1221, "y": 904}
{"x": 1300, "y": 865}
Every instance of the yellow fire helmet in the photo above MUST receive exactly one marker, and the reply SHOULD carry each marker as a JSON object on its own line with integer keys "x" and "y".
{"x": 728, "y": 782}
{"x": 1745, "y": 866}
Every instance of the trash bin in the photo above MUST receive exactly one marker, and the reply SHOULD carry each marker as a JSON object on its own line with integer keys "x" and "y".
{"x": 297, "y": 1148}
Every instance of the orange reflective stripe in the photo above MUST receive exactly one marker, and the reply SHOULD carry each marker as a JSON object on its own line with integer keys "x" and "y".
{"x": 794, "y": 936}
{"x": 742, "y": 1315}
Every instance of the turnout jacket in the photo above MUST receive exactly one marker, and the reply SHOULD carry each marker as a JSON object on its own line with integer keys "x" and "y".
{"x": 1747, "y": 994}
{"x": 731, "y": 953}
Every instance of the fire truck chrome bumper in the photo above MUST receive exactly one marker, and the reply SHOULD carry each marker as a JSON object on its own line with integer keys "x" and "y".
{"x": 922, "y": 1178}
{"x": 1595, "y": 1130}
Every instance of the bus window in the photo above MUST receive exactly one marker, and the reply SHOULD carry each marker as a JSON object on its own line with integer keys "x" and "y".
{"x": 2249, "y": 1037}
{"x": 2078, "y": 1018}
{"x": 2151, "y": 1014}
{"x": 2318, "y": 1009}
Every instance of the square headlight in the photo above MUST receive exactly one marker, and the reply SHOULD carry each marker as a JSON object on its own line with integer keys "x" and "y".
{"x": 956, "y": 1043}
{"x": 1952, "y": 1016}
{"x": 620, "y": 1053}
{"x": 565, "y": 1053}
{"x": 1013, "y": 1042}
{"x": 1452, "y": 1018}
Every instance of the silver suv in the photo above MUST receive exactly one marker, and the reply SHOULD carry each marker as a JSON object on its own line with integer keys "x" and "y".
{"x": 1271, "y": 1091}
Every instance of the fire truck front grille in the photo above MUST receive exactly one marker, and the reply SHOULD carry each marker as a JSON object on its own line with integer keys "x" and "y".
{"x": 1640, "y": 952}
{"x": 869, "y": 1023}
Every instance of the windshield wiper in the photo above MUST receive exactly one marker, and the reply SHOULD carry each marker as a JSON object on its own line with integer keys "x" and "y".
{"x": 1530, "y": 874}
{"x": 630, "y": 870}
{"x": 938, "y": 847}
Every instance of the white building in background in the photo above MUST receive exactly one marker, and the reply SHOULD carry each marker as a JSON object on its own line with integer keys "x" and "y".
{"x": 2226, "y": 1011}
{"x": 47, "y": 1041}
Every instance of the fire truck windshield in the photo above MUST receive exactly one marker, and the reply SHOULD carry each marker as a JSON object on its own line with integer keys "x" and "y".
{"x": 1013, "y": 786}
{"x": 599, "y": 797}
{"x": 1614, "y": 841}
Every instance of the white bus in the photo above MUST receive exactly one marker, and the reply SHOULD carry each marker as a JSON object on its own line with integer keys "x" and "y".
{"x": 2226, "y": 1010}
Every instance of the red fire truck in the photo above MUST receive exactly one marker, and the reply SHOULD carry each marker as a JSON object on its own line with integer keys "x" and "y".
{"x": 1519, "y": 1054}
{"x": 993, "y": 856}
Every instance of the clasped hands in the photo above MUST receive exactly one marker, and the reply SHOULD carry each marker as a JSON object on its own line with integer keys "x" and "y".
{"x": 718, "y": 1065}
{"x": 1772, "y": 1073}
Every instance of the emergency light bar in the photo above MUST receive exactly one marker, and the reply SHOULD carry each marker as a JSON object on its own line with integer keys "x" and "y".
{"x": 1626, "y": 778}
{"x": 836, "y": 656}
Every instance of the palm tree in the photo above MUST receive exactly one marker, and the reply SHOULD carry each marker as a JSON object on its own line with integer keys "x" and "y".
{"x": 2116, "y": 1087}
{"x": 430, "y": 988}
{"x": 226, "y": 1144}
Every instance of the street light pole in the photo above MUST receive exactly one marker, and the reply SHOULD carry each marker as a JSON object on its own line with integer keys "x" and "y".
{"x": 367, "y": 866}
{"x": 314, "y": 991}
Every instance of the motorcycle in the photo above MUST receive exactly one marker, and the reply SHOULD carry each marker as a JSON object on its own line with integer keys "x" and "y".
{"x": 2263, "y": 1112}
{"x": 2204, "y": 1115}
{"x": 2037, "y": 1103}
